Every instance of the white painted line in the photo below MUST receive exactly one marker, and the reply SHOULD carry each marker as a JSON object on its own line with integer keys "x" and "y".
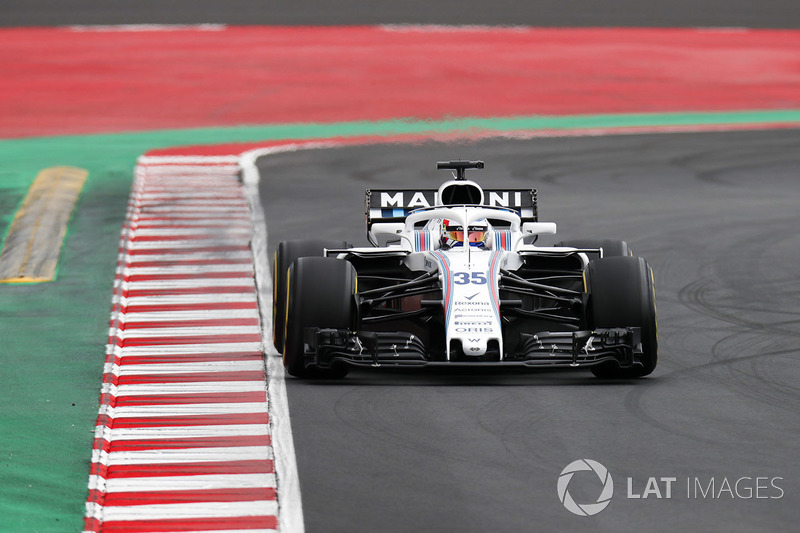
{"x": 172, "y": 174}
{"x": 199, "y": 482}
{"x": 229, "y": 189}
{"x": 163, "y": 201}
{"x": 230, "y": 531}
{"x": 194, "y": 387}
{"x": 210, "y": 233}
{"x": 187, "y": 257}
{"x": 191, "y": 283}
{"x": 182, "y": 221}
{"x": 181, "y": 208}
{"x": 192, "y": 161}
{"x": 185, "y": 432}
{"x": 180, "y": 217}
{"x": 188, "y": 270}
{"x": 173, "y": 368}
{"x": 220, "y": 347}
{"x": 176, "y": 246}
{"x": 198, "y": 299}
{"x": 190, "y": 510}
{"x": 191, "y": 455}
{"x": 146, "y": 219}
{"x": 172, "y": 316}
{"x": 290, "y": 515}
{"x": 177, "y": 333}
{"x": 159, "y": 186}
{"x": 223, "y": 195}
{"x": 189, "y": 409}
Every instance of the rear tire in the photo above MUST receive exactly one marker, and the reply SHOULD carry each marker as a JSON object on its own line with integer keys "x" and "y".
{"x": 610, "y": 248}
{"x": 320, "y": 294}
{"x": 622, "y": 294}
{"x": 285, "y": 255}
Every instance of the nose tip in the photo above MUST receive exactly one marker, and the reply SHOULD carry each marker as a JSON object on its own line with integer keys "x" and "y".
{"x": 474, "y": 347}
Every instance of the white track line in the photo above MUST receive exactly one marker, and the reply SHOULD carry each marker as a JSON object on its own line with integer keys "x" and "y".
{"x": 153, "y": 389}
{"x": 190, "y": 455}
{"x": 197, "y": 432}
{"x": 171, "y": 368}
{"x": 290, "y": 516}
{"x": 190, "y": 510}
{"x": 200, "y": 482}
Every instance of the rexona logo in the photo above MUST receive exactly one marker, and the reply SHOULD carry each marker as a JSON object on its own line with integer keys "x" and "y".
{"x": 605, "y": 487}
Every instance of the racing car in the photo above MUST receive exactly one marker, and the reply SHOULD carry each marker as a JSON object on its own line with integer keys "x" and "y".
{"x": 453, "y": 277}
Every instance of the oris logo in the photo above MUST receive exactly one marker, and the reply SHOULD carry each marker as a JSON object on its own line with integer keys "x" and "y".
{"x": 605, "y": 487}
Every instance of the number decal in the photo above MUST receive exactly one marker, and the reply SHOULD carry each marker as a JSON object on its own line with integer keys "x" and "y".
{"x": 479, "y": 278}
{"x": 461, "y": 278}
{"x": 464, "y": 278}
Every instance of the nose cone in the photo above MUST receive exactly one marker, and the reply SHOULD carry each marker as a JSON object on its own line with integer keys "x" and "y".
{"x": 474, "y": 347}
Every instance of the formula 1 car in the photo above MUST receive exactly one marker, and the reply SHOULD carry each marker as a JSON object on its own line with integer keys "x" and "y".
{"x": 453, "y": 277}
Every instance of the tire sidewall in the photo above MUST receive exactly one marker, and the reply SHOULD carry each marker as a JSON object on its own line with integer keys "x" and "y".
{"x": 622, "y": 294}
{"x": 320, "y": 294}
{"x": 285, "y": 254}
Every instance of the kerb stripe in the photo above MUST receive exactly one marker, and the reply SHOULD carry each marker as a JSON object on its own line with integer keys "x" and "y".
{"x": 183, "y": 441}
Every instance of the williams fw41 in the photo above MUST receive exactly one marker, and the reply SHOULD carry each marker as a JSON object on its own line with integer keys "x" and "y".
{"x": 453, "y": 277}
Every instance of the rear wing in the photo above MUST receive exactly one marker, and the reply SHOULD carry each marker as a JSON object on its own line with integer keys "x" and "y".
{"x": 393, "y": 205}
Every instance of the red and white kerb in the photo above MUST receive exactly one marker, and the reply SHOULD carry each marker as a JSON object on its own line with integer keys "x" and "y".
{"x": 183, "y": 438}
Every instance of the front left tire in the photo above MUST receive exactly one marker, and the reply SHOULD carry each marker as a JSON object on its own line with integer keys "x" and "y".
{"x": 286, "y": 253}
{"x": 320, "y": 294}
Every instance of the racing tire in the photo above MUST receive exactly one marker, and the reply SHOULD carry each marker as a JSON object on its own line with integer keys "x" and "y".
{"x": 285, "y": 255}
{"x": 320, "y": 294}
{"x": 610, "y": 248}
{"x": 622, "y": 294}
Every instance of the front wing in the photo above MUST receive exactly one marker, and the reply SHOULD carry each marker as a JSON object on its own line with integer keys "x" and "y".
{"x": 324, "y": 347}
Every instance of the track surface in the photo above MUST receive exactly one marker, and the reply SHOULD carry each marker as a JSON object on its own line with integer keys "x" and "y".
{"x": 609, "y": 13}
{"x": 715, "y": 215}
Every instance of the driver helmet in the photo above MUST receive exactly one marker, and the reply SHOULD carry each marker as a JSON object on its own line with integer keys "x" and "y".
{"x": 453, "y": 233}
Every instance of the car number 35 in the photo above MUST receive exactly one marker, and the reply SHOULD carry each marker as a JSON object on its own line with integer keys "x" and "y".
{"x": 464, "y": 278}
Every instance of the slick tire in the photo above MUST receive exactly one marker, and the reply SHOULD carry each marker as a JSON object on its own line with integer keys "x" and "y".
{"x": 622, "y": 294}
{"x": 285, "y": 255}
{"x": 320, "y": 294}
{"x": 610, "y": 248}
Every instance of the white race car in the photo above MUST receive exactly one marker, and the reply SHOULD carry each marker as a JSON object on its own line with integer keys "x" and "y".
{"x": 454, "y": 278}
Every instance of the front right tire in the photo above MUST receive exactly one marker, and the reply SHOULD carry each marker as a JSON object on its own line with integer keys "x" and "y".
{"x": 622, "y": 294}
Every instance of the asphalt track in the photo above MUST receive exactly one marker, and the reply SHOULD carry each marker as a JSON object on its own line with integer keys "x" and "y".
{"x": 715, "y": 214}
{"x": 576, "y": 13}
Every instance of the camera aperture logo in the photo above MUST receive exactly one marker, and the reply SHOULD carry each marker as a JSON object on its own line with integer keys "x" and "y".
{"x": 585, "y": 509}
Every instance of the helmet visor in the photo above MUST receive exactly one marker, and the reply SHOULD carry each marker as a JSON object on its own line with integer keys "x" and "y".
{"x": 476, "y": 234}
